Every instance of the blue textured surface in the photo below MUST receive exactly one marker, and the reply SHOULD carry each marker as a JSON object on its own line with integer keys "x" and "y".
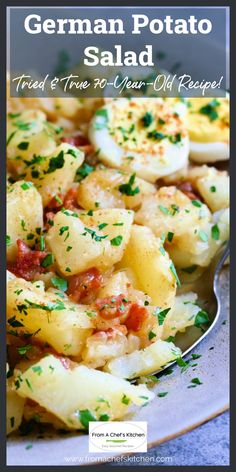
{"x": 206, "y": 445}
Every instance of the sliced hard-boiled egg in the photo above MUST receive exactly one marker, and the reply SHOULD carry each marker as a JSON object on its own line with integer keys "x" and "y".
{"x": 141, "y": 135}
{"x": 208, "y": 126}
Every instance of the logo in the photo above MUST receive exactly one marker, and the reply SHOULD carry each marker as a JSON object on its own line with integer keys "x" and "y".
{"x": 125, "y": 436}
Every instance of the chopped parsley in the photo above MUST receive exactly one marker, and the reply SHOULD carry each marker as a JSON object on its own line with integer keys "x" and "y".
{"x": 37, "y": 369}
{"x": 8, "y": 240}
{"x": 196, "y": 356}
{"x": 147, "y": 119}
{"x": 174, "y": 208}
{"x": 63, "y": 229}
{"x": 151, "y": 335}
{"x": 104, "y": 417}
{"x": 173, "y": 270}
{"x": 181, "y": 363}
{"x": 116, "y": 241}
{"x": 162, "y": 394}
{"x": 170, "y": 236}
{"x": 10, "y": 137}
{"x": 175, "y": 139}
{"x": 29, "y": 446}
{"x": 197, "y": 203}
{"x": 215, "y": 232}
{"x": 26, "y": 185}
{"x": 196, "y": 381}
{"x": 72, "y": 153}
{"x": 12, "y": 421}
{"x": 126, "y": 400}
{"x": 56, "y": 163}
{"x": 156, "y": 135}
{"x": 23, "y": 145}
{"x": 201, "y": 318}
{"x": 48, "y": 260}
{"x": 30, "y": 236}
{"x": 203, "y": 236}
{"x": 163, "y": 209}
{"x": 23, "y": 224}
{"x": 42, "y": 243}
{"x": 28, "y": 384}
{"x": 127, "y": 189}
{"x": 210, "y": 110}
{"x": 85, "y": 416}
{"x": 84, "y": 171}
{"x": 58, "y": 199}
{"x": 60, "y": 284}
{"x": 22, "y": 350}
{"x": 14, "y": 323}
{"x": 190, "y": 269}
{"x": 57, "y": 305}
{"x": 101, "y": 226}
{"x": 161, "y": 314}
{"x": 93, "y": 234}
{"x": 213, "y": 188}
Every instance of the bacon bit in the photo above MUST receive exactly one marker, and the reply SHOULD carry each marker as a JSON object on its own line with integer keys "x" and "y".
{"x": 28, "y": 262}
{"x": 82, "y": 284}
{"x": 66, "y": 362}
{"x": 79, "y": 141}
{"x": 48, "y": 217}
{"x": 188, "y": 190}
{"x": 112, "y": 307}
{"x": 137, "y": 315}
{"x": 30, "y": 402}
{"x": 70, "y": 199}
{"x": 110, "y": 333}
{"x": 117, "y": 331}
{"x": 55, "y": 203}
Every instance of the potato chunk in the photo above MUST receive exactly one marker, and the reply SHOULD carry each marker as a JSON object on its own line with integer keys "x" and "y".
{"x": 112, "y": 189}
{"x": 24, "y": 215}
{"x": 28, "y": 135}
{"x": 103, "y": 346}
{"x": 77, "y": 394}
{"x": 214, "y": 234}
{"x": 79, "y": 243}
{"x": 48, "y": 317}
{"x": 15, "y": 407}
{"x": 185, "y": 224}
{"x": 147, "y": 361}
{"x": 56, "y": 172}
{"x": 181, "y": 315}
{"x": 213, "y": 186}
{"x": 150, "y": 265}
{"x": 170, "y": 210}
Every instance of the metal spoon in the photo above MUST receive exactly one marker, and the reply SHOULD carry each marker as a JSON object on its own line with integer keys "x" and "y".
{"x": 207, "y": 289}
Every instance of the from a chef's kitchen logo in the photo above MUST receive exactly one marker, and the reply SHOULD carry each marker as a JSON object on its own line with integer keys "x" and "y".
{"x": 118, "y": 436}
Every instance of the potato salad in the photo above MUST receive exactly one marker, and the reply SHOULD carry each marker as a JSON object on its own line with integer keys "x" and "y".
{"x": 112, "y": 204}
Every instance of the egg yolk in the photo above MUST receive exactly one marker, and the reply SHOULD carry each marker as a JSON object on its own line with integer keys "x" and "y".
{"x": 208, "y": 119}
{"x": 142, "y": 126}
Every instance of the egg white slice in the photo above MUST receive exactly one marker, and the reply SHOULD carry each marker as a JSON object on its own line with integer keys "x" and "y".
{"x": 149, "y": 159}
{"x": 204, "y": 153}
